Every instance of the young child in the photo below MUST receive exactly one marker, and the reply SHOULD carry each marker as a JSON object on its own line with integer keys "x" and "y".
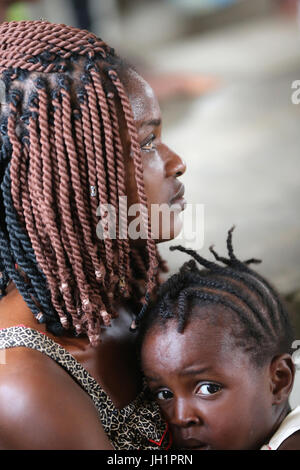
{"x": 215, "y": 351}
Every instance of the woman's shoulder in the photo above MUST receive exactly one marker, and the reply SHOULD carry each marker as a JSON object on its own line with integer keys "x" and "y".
{"x": 41, "y": 407}
{"x": 25, "y": 375}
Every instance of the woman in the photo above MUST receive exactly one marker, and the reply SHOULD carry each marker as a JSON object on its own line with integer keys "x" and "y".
{"x": 80, "y": 129}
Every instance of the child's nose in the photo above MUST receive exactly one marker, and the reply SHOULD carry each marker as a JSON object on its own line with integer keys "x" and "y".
{"x": 185, "y": 414}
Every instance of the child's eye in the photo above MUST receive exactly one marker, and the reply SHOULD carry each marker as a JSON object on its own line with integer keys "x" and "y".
{"x": 208, "y": 389}
{"x": 164, "y": 395}
{"x": 148, "y": 146}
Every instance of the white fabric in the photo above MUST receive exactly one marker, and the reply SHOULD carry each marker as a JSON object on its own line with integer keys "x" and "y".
{"x": 289, "y": 426}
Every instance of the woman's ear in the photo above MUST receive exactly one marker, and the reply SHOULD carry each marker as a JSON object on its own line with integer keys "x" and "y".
{"x": 282, "y": 372}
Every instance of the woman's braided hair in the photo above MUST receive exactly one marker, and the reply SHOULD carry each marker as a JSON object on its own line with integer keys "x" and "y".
{"x": 258, "y": 319}
{"x": 61, "y": 155}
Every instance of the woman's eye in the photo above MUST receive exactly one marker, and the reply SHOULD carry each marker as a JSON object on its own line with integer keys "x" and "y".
{"x": 164, "y": 395}
{"x": 208, "y": 389}
{"x": 149, "y": 145}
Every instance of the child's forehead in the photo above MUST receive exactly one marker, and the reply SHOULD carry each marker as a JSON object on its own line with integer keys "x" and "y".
{"x": 205, "y": 334}
{"x": 201, "y": 346}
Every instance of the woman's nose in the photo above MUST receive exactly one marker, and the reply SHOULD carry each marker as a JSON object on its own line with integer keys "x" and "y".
{"x": 174, "y": 165}
{"x": 185, "y": 414}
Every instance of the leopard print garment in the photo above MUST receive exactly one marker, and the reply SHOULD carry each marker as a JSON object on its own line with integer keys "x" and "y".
{"x": 137, "y": 426}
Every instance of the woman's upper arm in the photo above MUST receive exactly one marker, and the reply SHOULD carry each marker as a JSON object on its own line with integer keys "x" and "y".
{"x": 42, "y": 407}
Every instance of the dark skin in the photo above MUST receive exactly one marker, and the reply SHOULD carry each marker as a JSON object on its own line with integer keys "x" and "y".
{"x": 41, "y": 406}
{"x": 211, "y": 393}
{"x": 161, "y": 184}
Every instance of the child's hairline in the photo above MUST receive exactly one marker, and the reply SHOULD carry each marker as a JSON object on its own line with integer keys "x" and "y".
{"x": 159, "y": 323}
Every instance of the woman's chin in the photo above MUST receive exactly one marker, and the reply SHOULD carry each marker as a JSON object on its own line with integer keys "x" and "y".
{"x": 172, "y": 232}
{"x": 163, "y": 232}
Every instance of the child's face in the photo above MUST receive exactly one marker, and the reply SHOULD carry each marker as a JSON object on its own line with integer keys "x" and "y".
{"x": 209, "y": 391}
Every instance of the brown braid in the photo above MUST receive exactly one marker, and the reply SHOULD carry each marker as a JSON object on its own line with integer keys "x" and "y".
{"x": 34, "y": 224}
{"x": 98, "y": 90}
{"x": 100, "y": 171}
{"x": 18, "y": 49}
{"x": 136, "y": 154}
{"x": 124, "y": 268}
{"x": 16, "y": 150}
{"x": 99, "y": 269}
{"x": 66, "y": 157}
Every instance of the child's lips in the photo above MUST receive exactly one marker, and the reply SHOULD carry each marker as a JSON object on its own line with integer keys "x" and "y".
{"x": 193, "y": 444}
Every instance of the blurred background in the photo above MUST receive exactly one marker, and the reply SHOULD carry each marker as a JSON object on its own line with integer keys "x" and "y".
{"x": 223, "y": 71}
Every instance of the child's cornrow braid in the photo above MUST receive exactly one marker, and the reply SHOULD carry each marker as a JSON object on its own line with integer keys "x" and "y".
{"x": 209, "y": 297}
{"x": 235, "y": 272}
{"x": 270, "y": 301}
{"x": 266, "y": 328}
{"x": 193, "y": 278}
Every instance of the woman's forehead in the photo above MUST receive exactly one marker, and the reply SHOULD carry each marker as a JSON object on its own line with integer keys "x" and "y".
{"x": 141, "y": 96}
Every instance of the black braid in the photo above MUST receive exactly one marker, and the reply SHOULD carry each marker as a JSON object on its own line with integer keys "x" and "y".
{"x": 239, "y": 271}
{"x": 258, "y": 319}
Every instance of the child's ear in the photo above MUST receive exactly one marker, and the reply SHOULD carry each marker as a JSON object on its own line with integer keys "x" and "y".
{"x": 282, "y": 372}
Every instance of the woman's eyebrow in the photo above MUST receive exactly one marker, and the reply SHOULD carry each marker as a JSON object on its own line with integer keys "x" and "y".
{"x": 152, "y": 123}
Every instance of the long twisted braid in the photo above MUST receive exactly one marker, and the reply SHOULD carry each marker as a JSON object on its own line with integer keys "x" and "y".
{"x": 61, "y": 155}
{"x": 135, "y": 150}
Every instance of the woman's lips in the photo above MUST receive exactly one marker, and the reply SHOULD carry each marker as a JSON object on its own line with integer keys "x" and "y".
{"x": 178, "y": 198}
{"x": 179, "y": 194}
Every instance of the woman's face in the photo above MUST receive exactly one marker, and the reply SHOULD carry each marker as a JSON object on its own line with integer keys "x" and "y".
{"x": 161, "y": 166}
